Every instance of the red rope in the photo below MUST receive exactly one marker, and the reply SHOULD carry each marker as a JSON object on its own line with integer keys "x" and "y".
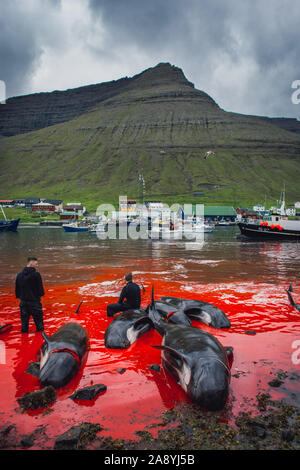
{"x": 76, "y": 357}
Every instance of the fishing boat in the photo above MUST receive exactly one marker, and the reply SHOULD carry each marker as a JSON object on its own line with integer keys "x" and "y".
{"x": 8, "y": 225}
{"x": 75, "y": 227}
{"x": 186, "y": 230}
{"x": 274, "y": 226}
{"x": 225, "y": 223}
{"x": 97, "y": 228}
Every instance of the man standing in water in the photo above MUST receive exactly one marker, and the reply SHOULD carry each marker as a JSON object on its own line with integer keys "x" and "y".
{"x": 29, "y": 289}
{"x": 131, "y": 292}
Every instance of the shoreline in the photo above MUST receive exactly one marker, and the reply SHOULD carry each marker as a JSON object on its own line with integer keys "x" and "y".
{"x": 276, "y": 426}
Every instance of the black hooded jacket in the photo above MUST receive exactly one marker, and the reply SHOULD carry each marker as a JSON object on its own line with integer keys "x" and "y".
{"x": 29, "y": 285}
{"x": 132, "y": 293}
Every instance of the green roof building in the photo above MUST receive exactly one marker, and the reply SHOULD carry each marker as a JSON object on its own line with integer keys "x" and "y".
{"x": 227, "y": 213}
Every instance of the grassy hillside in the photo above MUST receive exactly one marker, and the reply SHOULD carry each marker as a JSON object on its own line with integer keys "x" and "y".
{"x": 162, "y": 126}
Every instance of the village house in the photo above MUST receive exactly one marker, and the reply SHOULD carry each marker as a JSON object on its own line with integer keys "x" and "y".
{"x": 55, "y": 202}
{"x": 75, "y": 207}
{"x": 7, "y": 202}
{"x": 43, "y": 207}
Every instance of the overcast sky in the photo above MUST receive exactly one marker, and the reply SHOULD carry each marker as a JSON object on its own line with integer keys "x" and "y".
{"x": 243, "y": 53}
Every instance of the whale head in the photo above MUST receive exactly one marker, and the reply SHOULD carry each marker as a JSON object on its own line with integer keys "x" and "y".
{"x": 57, "y": 368}
{"x": 209, "y": 384}
{"x": 57, "y": 364}
{"x": 206, "y": 381}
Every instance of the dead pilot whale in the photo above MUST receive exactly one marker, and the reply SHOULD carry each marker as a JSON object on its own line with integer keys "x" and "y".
{"x": 126, "y": 328}
{"x": 198, "y": 310}
{"x": 62, "y": 354}
{"x": 197, "y": 359}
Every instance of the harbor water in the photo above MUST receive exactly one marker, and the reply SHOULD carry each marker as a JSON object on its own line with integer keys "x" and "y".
{"x": 246, "y": 279}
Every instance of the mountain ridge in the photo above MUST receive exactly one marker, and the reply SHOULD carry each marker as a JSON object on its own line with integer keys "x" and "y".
{"x": 159, "y": 124}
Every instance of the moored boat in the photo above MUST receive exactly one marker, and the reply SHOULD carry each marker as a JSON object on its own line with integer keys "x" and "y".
{"x": 275, "y": 226}
{"x": 75, "y": 227}
{"x": 8, "y": 225}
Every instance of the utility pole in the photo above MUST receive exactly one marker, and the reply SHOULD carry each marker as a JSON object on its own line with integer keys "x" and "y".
{"x": 142, "y": 187}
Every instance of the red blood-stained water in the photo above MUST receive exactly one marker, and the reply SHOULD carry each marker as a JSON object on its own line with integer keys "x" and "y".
{"x": 253, "y": 298}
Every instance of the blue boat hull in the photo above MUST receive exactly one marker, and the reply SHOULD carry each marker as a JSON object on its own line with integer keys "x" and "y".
{"x": 75, "y": 229}
{"x": 9, "y": 225}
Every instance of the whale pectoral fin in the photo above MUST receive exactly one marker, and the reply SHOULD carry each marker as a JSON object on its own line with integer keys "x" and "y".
{"x": 177, "y": 360}
{"x": 171, "y": 351}
{"x": 200, "y": 315}
{"x": 178, "y": 317}
{"x": 142, "y": 321}
{"x": 6, "y": 327}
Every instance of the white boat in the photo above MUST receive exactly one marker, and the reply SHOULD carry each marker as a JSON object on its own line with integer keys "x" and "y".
{"x": 187, "y": 231}
{"x": 276, "y": 226}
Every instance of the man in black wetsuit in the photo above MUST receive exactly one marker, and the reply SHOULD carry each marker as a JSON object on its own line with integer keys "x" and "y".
{"x": 29, "y": 289}
{"x": 131, "y": 292}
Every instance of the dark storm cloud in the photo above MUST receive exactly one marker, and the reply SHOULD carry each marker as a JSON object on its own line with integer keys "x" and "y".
{"x": 19, "y": 51}
{"x": 163, "y": 23}
{"x": 204, "y": 36}
{"x": 20, "y": 41}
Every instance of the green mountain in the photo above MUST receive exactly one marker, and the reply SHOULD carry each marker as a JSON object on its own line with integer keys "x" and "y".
{"x": 91, "y": 144}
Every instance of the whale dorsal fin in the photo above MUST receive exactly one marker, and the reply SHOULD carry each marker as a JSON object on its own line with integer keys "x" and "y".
{"x": 291, "y": 298}
{"x": 78, "y": 307}
{"x": 152, "y": 296}
{"x": 45, "y": 337}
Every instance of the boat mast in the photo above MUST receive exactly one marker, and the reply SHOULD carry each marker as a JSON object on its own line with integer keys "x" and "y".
{"x": 282, "y": 208}
{"x": 142, "y": 187}
{"x": 3, "y": 212}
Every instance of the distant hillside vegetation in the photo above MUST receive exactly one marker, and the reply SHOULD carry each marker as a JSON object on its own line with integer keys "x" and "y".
{"x": 92, "y": 142}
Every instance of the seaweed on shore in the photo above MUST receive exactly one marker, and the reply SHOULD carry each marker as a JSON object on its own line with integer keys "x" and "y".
{"x": 186, "y": 426}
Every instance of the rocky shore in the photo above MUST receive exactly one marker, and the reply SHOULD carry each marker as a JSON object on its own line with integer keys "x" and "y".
{"x": 273, "y": 425}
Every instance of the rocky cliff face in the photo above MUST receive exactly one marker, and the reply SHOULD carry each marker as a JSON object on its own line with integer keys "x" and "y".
{"x": 32, "y": 112}
{"x": 288, "y": 124}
